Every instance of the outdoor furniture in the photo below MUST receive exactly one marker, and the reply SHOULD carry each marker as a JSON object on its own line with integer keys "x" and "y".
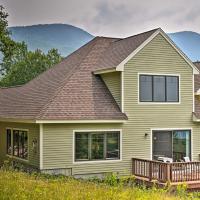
{"x": 186, "y": 159}
{"x": 165, "y": 159}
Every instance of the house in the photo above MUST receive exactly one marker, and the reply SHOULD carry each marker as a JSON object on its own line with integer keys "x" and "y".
{"x": 112, "y": 100}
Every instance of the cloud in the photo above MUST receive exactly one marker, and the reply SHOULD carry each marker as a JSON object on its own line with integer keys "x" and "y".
{"x": 118, "y": 18}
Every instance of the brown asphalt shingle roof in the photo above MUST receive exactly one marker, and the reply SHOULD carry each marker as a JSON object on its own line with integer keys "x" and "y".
{"x": 69, "y": 90}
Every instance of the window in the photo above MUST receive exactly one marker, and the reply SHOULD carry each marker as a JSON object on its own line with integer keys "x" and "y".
{"x": 97, "y": 146}
{"x": 159, "y": 88}
{"x": 17, "y": 143}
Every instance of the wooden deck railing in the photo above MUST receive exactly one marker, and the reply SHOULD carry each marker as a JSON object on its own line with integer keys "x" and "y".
{"x": 164, "y": 172}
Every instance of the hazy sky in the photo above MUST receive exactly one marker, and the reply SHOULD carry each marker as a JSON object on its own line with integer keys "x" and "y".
{"x": 108, "y": 17}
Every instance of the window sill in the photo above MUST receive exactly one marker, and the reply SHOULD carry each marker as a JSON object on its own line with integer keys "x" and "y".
{"x": 17, "y": 158}
{"x": 97, "y": 161}
{"x": 159, "y": 103}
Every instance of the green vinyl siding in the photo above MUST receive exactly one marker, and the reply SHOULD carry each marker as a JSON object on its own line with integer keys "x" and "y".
{"x": 58, "y": 149}
{"x": 33, "y": 135}
{"x": 158, "y": 57}
{"x": 113, "y": 82}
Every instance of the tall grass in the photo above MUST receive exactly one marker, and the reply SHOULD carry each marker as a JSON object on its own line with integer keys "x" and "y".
{"x": 22, "y": 186}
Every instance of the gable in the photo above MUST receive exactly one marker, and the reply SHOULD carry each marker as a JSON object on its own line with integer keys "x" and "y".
{"x": 160, "y": 54}
{"x": 120, "y": 66}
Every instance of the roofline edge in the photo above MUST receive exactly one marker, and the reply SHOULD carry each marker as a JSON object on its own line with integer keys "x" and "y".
{"x": 78, "y": 121}
{"x": 17, "y": 120}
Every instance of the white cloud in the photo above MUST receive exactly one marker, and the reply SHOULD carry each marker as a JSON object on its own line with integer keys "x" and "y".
{"x": 102, "y": 17}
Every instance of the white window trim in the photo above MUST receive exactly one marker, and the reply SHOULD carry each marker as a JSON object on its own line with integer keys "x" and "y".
{"x": 12, "y": 156}
{"x": 95, "y": 161}
{"x": 169, "y": 129}
{"x": 158, "y": 103}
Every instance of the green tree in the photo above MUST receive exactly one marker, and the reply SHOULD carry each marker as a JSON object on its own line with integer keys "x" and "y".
{"x": 29, "y": 67}
{"x": 11, "y": 51}
{"x": 19, "y": 65}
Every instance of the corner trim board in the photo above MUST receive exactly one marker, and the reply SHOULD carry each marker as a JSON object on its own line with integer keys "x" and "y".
{"x": 41, "y": 146}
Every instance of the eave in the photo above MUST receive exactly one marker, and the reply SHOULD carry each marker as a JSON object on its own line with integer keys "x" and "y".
{"x": 78, "y": 121}
{"x": 104, "y": 71}
{"x": 15, "y": 120}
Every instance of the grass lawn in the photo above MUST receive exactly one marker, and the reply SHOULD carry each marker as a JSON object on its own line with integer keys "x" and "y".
{"x": 20, "y": 186}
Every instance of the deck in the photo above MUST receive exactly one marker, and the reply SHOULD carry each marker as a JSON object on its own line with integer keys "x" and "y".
{"x": 149, "y": 172}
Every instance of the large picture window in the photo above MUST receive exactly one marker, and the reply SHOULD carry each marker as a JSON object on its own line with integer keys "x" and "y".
{"x": 17, "y": 143}
{"x": 97, "y": 146}
{"x": 158, "y": 88}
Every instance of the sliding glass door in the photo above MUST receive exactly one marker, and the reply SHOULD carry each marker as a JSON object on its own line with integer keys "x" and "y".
{"x": 162, "y": 144}
{"x": 174, "y": 144}
{"x": 181, "y": 144}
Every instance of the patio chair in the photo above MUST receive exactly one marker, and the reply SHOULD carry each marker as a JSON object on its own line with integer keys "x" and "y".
{"x": 165, "y": 159}
{"x": 186, "y": 159}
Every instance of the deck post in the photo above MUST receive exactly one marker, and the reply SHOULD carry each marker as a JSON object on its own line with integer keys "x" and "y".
{"x": 168, "y": 175}
{"x": 150, "y": 171}
{"x": 133, "y": 166}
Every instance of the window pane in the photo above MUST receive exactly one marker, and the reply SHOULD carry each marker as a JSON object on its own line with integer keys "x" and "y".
{"x": 9, "y": 146}
{"x": 97, "y": 146}
{"x": 113, "y": 150}
{"x": 145, "y": 88}
{"x": 172, "y": 88}
{"x": 159, "y": 88}
{"x": 25, "y": 146}
{"x": 21, "y": 144}
{"x": 81, "y": 143}
{"x": 181, "y": 145}
{"x": 16, "y": 143}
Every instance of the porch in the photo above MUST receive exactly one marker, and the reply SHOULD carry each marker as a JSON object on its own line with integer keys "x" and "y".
{"x": 150, "y": 172}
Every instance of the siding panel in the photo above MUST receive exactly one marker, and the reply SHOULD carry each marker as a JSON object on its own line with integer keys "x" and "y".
{"x": 113, "y": 82}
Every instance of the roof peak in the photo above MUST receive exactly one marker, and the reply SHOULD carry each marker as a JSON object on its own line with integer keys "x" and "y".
{"x": 152, "y": 30}
{"x": 122, "y": 38}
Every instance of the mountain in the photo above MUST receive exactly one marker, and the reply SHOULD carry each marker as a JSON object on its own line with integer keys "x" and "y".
{"x": 188, "y": 42}
{"x": 64, "y": 37}
{"x": 67, "y": 38}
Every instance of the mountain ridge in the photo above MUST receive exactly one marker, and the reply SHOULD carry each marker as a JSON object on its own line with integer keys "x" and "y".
{"x": 64, "y": 37}
{"x": 68, "y": 38}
